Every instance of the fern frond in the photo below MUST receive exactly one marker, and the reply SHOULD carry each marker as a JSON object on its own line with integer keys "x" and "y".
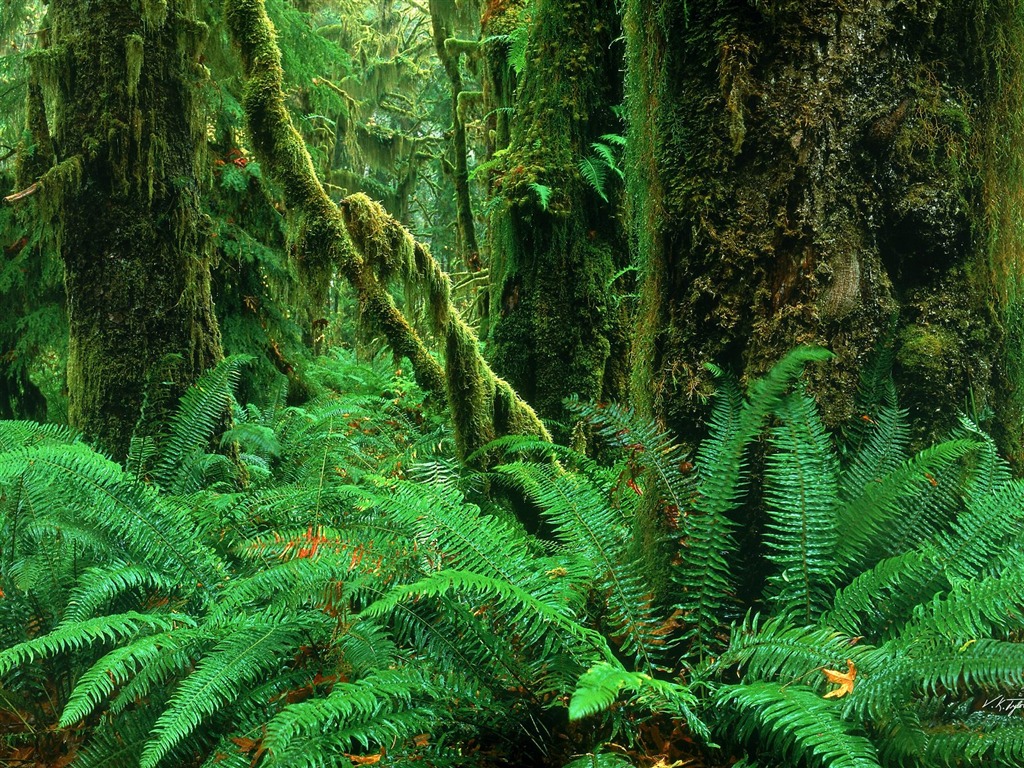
{"x": 440, "y": 519}
{"x": 99, "y": 586}
{"x": 84, "y": 634}
{"x": 795, "y": 723}
{"x": 801, "y": 495}
{"x": 615, "y": 138}
{"x": 776, "y": 649}
{"x": 595, "y": 173}
{"x": 98, "y": 492}
{"x": 880, "y": 599}
{"x": 587, "y": 525}
{"x": 648, "y": 446}
{"x": 865, "y": 522}
{"x": 972, "y": 609}
{"x": 945, "y": 666}
{"x": 875, "y": 440}
{"x": 202, "y": 408}
{"x": 600, "y": 686}
{"x": 251, "y": 649}
{"x": 543, "y": 193}
{"x": 990, "y": 522}
{"x": 534, "y": 619}
{"x": 118, "y": 743}
{"x": 705, "y": 575}
{"x": 256, "y": 439}
{"x": 377, "y": 709}
{"x": 118, "y": 667}
{"x": 26, "y": 434}
{"x": 965, "y": 744}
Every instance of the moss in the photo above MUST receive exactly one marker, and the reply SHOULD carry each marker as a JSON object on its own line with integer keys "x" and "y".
{"x": 125, "y": 202}
{"x": 808, "y": 174}
{"x": 927, "y": 350}
{"x": 134, "y": 46}
{"x": 553, "y": 260}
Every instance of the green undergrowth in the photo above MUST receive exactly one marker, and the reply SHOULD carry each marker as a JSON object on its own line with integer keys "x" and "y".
{"x": 325, "y": 585}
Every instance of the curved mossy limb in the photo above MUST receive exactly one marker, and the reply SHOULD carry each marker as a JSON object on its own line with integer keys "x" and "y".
{"x": 483, "y": 406}
{"x": 832, "y": 174}
{"x": 323, "y": 243}
{"x": 369, "y": 248}
{"x": 122, "y": 199}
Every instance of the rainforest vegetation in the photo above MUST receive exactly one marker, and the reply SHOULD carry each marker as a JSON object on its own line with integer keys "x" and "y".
{"x": 583, "y": 383}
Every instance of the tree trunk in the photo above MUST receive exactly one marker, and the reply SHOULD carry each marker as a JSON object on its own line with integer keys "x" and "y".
{"x": 834, "y": 173}
{"x": 556, "y": 241}
{"x": 124, "y": 195}
{"x": 450, "y": 55}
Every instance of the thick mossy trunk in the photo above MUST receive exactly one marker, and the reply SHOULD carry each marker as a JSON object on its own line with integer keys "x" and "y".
{"x": 829, "y": 173}
{"x": 120, "y": 84}
{"x": 556, "y": 242}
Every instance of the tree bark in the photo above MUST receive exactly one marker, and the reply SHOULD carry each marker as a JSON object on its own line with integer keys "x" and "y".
{"x": 556, "y": 242}
{"x": 450, "y": 56}
{"x": 830, "y": 173}
{"x": 120, "y": 81}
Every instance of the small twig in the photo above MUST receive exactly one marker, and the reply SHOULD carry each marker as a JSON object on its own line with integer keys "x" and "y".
{"x": 27, "y": 192}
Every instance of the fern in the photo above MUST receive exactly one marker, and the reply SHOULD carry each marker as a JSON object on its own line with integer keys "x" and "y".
{"x": 801, "y": 489}
{"x": 380, "y": 708}
{"x": 248, "y": 650}
{"x": 595, "y": 532}
{"x": 204, "y": 405}
{"x": 543, "y": 193}
{"x": 595, "y": 172}
{"x": 795, "y": 724}
{"x": 602, "y": 684}
{"x": 81, "y": 634}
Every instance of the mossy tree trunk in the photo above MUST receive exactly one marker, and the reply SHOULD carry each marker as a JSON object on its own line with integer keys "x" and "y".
{"x": 556, "y": 242}
{"x": 829, "y": 173}
{"x": 449, "y": 52}
{"x": 121, "y": 82}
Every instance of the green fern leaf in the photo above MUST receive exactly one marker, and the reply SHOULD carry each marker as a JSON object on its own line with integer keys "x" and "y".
{"x": 594, "y": 172}
{"x": 249, "y": 650}
{"x": 795, "y": 723}
{"x": 543, "y": 193}
{"x": 801, "y": 494}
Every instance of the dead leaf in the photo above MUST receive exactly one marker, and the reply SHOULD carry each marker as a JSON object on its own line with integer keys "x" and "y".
{"x": 843, "y": 679}
{"x": 364, "y": 759}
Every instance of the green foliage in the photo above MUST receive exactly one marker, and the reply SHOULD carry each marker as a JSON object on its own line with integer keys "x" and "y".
{"x": 595, "y": 167}
{"x": 543, "y": 193}
{"x": 348, "y": 590}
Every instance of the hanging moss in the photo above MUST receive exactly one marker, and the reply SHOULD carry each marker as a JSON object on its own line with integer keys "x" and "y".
{"x": 123, "y": 194}
{"x": 443, "y": 19}
{"x": 133, "y": 53}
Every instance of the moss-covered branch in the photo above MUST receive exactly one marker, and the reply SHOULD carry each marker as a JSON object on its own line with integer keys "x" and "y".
{"x": 324, "y": 245}
{"x": 369, "y": 248}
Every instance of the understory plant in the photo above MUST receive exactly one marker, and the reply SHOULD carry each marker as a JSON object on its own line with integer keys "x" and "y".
{"x": 326, "y": 585}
